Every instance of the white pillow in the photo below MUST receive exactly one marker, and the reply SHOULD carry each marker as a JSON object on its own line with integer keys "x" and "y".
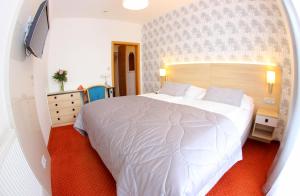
{"x": 194, "y": 92}
{"x": 174, "y": 89}
{"x": 228, "y": 96}
{"x": 247, "y": 103}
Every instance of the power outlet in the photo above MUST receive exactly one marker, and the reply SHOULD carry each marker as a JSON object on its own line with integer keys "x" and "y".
{"x": 44, "y": 161}
{"x": 269, "y": 100}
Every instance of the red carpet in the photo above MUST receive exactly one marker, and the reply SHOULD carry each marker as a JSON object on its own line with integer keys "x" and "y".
{"x": 77, "y": 170}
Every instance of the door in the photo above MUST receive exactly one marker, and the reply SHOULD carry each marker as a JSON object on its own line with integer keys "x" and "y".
{"x": 126, "y": 68}
{"x": 122, "y": 70}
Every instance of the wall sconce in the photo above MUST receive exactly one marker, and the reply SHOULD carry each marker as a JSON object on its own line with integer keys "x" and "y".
{"x": 270, "y": 80}
{"x": 162, "y": 72}
{"x": 163, "y": 75}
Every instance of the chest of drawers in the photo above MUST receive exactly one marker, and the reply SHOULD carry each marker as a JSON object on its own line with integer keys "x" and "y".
{"x": 64, "y": 107}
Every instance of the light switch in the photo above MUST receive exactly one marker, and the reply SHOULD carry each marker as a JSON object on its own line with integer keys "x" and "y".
{"x": 269, "y": 100}
{"x": 44, "y": 162}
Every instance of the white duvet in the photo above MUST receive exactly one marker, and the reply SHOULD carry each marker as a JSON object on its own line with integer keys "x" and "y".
{"x": 158, "y": 148}
{"x": 240, "y": 116}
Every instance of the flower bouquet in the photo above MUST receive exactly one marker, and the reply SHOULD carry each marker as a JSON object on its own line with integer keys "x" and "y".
{"x": 61, "y": 77}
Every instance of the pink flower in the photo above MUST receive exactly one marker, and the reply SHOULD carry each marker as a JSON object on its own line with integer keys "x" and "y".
{"x": 60, "y": 71}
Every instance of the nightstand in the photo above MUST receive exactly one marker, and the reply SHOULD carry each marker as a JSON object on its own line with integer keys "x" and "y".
{"x": 264, "y": 126}
{"x": 64, "y": 107}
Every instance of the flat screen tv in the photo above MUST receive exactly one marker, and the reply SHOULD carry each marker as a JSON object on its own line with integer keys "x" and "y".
{"x": 37, "y": 33}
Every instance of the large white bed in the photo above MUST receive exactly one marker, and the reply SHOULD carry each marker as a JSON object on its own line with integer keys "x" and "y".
{"x": 240, "y": 116}
{"x": 123, "y": 130}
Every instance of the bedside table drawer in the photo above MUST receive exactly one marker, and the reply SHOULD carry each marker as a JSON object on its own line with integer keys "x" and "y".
{"x": 65, "y": 111}
{"x": 264, "y": 120}
{"x": 60, "y": 120}
{"x": 63, "y": 97}
{"x": 64, "y": 104}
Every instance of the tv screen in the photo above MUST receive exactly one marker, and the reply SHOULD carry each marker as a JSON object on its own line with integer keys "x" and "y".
{"x": 38, "y": 30}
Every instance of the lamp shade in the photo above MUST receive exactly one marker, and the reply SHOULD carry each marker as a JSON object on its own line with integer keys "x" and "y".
{"x": 162, "y": 72}
{"x": 135, "y": 4}
{"x": 271, "y": 77}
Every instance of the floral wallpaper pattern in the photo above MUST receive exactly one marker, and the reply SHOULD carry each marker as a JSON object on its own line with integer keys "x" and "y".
{"x": 223, "y": 31}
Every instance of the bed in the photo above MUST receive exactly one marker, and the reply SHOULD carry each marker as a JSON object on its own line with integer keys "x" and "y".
{"x": 157, "y": 144}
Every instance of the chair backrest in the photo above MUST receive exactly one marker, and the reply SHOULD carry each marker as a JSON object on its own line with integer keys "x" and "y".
{"x": 95, "y": 93}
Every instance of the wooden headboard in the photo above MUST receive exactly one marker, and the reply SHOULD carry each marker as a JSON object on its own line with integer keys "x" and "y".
{"x": 251, "y": 78}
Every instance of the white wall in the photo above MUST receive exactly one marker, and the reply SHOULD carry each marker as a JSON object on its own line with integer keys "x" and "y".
{"x": 82, "y": 46}
{"x": 7, "y": 16}
{"x": 40, "y": 72}
{"x": 19, "y": 104}
{"x": 285, "y": 169}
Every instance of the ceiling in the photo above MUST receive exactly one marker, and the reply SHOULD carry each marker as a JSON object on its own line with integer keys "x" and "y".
{"x": 111, "y": 9}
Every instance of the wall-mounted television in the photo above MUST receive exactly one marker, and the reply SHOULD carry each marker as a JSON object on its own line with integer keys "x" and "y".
{"x": 37, "y": 31}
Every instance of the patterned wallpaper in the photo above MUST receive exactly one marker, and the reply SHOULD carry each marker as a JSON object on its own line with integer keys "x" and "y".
{"x": 223, "y": 31}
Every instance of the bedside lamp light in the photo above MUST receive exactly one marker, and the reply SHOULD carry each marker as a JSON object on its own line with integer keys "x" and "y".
{"x": 162, "y": 72}
{"x": 270, "y": 80}
{"x": 163, "y": 75}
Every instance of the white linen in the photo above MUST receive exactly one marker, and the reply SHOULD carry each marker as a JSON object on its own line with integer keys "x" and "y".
{"x": 194, "y": 92}
{"x": 223, "y": 168}
{"x": 174, "y": 89}
{"x": 159, "y": 148}
{"x": 224, "y": 95}
{"x": 240, "y": 116}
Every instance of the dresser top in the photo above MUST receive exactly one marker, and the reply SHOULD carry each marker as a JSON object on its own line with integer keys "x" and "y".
{"x": 64, "y": 92}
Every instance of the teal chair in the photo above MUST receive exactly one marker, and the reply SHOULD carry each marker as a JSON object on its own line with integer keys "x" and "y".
{"x": 95, "y": 93}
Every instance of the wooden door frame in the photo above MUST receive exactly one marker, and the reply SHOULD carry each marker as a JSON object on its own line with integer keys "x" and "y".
{"x": 137, "y": 66}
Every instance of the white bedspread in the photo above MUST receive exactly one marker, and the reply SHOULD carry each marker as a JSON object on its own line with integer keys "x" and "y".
{"x": 238, "y": 115}
{"x": 155, "y": 148}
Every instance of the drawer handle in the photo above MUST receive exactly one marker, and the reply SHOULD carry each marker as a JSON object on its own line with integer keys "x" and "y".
{"x": 266, "y": 120}
{"x": 58, "y": 118}
{"x": 73, "y": 109}
{"x": 57, "y": 112}
{"x": 55, "y": 97}
{"x": 71, "y": 95}
{"x": 56, "y": 104}
{"x": 74, "y": 116}
{"x": 72, "y": 102}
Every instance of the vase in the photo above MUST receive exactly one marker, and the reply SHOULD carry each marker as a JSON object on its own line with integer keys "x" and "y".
{"x": 62, "y": 87}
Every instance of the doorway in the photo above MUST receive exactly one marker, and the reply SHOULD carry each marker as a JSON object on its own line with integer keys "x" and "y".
{"x": 126, "y": 68}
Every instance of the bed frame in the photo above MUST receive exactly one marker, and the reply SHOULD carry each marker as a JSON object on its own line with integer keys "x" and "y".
{"x": 251, "y": 78}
